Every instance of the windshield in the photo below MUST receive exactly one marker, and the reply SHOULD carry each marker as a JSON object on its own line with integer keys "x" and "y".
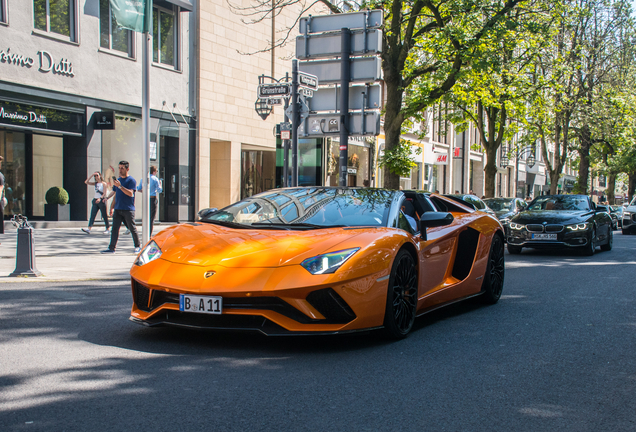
{"x": 314, "y": 207}
{"x": 499, "y": 204}
{"x": 560, "y": 202}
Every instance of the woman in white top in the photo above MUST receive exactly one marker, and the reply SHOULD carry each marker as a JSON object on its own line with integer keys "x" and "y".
{"x": 99, "y": 201}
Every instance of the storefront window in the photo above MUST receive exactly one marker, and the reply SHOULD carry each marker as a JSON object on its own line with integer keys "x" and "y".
{"x": 165, "y": 33}
{"x": 257, "y": 172}
{"x": 55, "y": 16}
{"x": 3, "y": 11}
{"x": 357, "y": 165}
{"x": 12, "y": 149}
{"x": 111, "y": 36}
{"x": 123, "y": 143}
{"x": 47, "y": 169}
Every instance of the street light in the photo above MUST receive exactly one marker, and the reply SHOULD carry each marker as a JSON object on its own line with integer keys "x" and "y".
{"x": 262, "y": 108}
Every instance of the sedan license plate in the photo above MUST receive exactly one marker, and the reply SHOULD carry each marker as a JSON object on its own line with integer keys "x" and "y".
{"x": 544, "y": 236}
{"x": 200, "y": 304}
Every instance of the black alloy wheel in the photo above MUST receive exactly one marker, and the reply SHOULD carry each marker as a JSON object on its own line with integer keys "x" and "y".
{"x": 610, "y": 242}
{"x": 590, "y": 248}
{"x": 495, "y": 272}
{"x": 401, "y": 300}
{"x": 514, "y": 250}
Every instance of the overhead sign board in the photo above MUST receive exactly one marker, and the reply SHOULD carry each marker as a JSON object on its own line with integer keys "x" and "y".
{"x": 333, "y": 22}
{"x": 268, "y": 90}
{"x": 363, "y": 69}
{"x": 308, "y": 81}
{"x": 324, "y": 125}
{"x": 329, "y": 44}
{"x": 328, "y": 98}
{"x": 441, "y": 159}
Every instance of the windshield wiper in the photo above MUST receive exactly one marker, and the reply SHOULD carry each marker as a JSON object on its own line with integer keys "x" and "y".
{"x": 295, "y": 225}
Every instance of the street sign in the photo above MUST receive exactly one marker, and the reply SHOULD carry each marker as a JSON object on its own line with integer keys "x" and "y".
{"x": 363, "y": 69}
{"x": 268, "y": 90}
{"x": 307, "y": 80}
{"x": 441, "y": 159}
{"x": 285, "y": 134}
{"x": 274, "y": 101}
{"x": 324, "y": 125}
{"x": 329, "y": 44}
{"x": 333, "y": 22}
{"x": 328, "y": 98}
{"x": 306, "y": 92}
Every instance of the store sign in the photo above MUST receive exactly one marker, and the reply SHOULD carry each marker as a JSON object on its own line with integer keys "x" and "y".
{"x": 104, "y": 120}
{"x": 37, "y": 118}
{"x": 441, "y": 159}
{"x": 46, "y": 62}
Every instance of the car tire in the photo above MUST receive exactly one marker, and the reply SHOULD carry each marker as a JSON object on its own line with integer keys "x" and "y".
{"x": 492, "y": 285}
{"x": 514, "y": 250}
{"x": 610, "y": 242}
{"x": 625, "y": 231}
{"x": 401, "y": 299}
{"x": 590, "y": 248}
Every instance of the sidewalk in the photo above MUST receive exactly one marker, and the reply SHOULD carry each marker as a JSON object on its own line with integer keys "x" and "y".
{"x": 68, "y": 254}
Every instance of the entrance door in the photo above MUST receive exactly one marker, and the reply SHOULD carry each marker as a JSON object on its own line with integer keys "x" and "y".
{"x": 13, "y": 150}
{"x": 169, "y": 172}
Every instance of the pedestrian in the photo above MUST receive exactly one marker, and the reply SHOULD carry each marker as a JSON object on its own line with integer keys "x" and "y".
{"x": 3, "y": 200}
{"x": 123, "y": 207}
{"x": 99, "y": 201}
{"x": 155, "y": 188}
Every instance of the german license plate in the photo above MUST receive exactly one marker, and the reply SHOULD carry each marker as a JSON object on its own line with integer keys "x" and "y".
{"x": 200, "y": 304}
{"x": 544, "y": 236}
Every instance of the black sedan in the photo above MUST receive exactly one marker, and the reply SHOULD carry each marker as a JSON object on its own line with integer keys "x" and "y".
{"x": 505, "y": 208}
{"x": 561, "y": 222}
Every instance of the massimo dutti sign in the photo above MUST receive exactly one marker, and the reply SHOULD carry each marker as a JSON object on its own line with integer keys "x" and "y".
{"x": 29, "y": 117}
{"x": 46, "y": 62}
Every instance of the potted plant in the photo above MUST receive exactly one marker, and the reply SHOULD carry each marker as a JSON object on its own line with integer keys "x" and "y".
{"x": 55, "y": 208}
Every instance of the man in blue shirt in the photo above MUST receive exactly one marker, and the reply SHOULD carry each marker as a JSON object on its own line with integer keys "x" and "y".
{"x": 124, "y": 207}
{"x": 155, "y": 189}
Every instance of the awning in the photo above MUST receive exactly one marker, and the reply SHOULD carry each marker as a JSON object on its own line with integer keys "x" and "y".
{"x": 183, "y": 4}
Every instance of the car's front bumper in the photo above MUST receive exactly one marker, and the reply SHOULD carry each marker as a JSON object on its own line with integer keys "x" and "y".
{"x": 628, "y": 221}
{"x": 564, "y": 239}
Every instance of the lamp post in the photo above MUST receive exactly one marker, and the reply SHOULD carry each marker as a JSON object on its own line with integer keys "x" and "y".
{"x": 518, "y": 153}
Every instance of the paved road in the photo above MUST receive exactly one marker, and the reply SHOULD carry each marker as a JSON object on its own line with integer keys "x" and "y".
{"x": 557, "y": 353}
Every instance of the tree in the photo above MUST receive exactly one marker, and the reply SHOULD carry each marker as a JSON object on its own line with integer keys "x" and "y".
{"x": 427, "y": 46}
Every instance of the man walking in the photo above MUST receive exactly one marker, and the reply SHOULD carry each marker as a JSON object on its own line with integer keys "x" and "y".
{"x": 155, "y": 189}
{"x": 124, "y": 207}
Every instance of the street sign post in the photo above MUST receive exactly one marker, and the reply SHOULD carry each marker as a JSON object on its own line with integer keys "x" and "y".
{"x": 267, "y": 90}
{"x": 307, "y": 80}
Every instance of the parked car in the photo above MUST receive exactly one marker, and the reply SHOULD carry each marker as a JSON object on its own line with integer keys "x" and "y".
{"x": 505, "y": 208}
{"x": 616, "y": 212}
{"x": 561, "y": 222}
{"x": 316, "y": 260}
{"x": 628, "y": 221}
{"x": 473, "y": 202}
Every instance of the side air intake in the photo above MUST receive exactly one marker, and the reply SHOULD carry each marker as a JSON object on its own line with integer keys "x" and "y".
{"x": 466, "y": 250}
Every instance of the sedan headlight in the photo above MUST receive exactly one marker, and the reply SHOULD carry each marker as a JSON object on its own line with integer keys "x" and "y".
{"x": 328, "y": 263}
{"x": 516, "y": 226}
{"x": 150, "y": 253}
{"x": 627, "y": 214}
{"x": 578, "y": 227}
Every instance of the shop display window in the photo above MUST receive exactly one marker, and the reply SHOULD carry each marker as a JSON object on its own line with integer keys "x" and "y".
{"x": 357, "y": 165}
{"x": 165, "y": 36}
{"x": 48, "y": 168}
{"x": 12, "y": 149}
{"x": 257, "y": 171}
{"x": 56, "y": 16}
{"x": 111, "y": 36}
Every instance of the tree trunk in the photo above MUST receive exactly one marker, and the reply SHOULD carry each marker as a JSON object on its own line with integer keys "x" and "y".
{"x": 490, "y": 171}
{"x": 611, "y": 189}
{"x": 631, "y": 184}
{"x": 392, "y": 128}
{"x": 584, "y": 163}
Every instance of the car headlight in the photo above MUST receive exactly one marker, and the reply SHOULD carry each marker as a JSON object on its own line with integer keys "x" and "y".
{"x": 516, "y": 226}
{"x": 150, "y": 253}
{"x": 504, "y": 221}
{"x": 329, "y": 262}
{"x": 626, "y": 213}
{"x": 578, "y": 227}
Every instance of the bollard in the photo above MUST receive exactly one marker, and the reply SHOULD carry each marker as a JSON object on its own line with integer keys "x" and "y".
{"x": 25, "y": 253}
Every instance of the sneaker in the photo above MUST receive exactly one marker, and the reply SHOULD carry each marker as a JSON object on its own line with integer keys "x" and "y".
{"x": 107, "y": 251}
{"x": 127, "y": 232}
{"x": 107, "y": 232}
{"x": 87, "y": 231}
{"x": 137, "y": 250}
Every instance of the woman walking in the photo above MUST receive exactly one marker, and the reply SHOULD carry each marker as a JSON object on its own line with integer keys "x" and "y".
{"x": 99, "y": 201}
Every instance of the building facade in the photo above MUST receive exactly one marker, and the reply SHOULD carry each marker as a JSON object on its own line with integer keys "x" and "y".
{"x": 70, "y": 102}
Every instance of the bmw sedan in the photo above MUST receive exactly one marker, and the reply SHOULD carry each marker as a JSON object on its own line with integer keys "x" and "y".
{"x": 561, "y": 222}
{"x": 505, "y": 208}
{"x": 628, "y": 222}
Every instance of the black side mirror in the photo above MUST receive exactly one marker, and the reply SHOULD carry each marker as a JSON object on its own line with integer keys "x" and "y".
{"x": 206, "y": 212}
{"x": 434, "y": 219}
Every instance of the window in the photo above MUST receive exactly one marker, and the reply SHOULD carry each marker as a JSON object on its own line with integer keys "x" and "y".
{"x": 55, "y": 16}
{"x": 165, "y": 36}
{"x": 111, "y": 36}
{"x": 3, "y": 11}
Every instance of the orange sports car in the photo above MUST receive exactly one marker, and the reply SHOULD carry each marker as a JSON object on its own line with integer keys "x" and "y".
{"x": 316, "y": 260}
